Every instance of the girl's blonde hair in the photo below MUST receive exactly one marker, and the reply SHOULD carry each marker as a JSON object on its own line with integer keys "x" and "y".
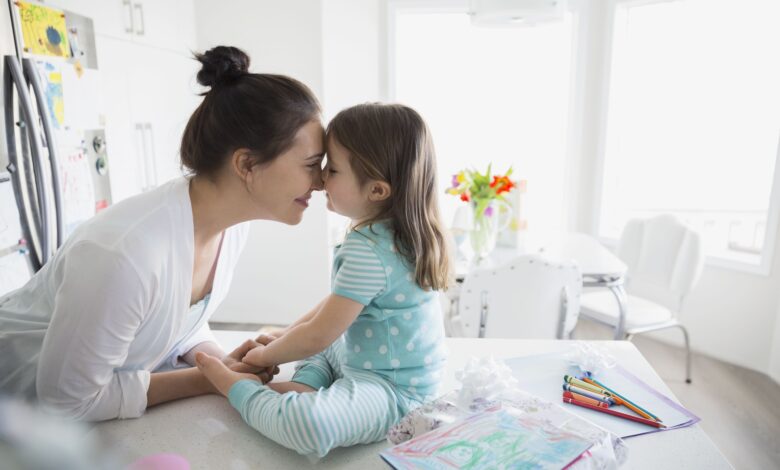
{"x": 391, "y": 143}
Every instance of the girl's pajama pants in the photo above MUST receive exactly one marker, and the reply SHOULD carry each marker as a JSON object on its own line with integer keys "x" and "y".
{"x": 349, "y": 406}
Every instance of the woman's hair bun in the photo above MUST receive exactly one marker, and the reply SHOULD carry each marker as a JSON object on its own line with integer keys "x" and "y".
{"x": 222, "y": 65}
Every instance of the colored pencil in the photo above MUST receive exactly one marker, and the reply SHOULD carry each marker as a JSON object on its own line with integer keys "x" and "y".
{"x": 621, "y": 400}
{"x": 648, "y": 422}
{"x": 584, "y": 399}
{"x": 596, "y": 396}
{"x": 579, "y": 383}
{"x": 626, "y": 402}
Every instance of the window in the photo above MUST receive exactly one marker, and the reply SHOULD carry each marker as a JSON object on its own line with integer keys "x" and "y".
{"x": 694, "y": 121}
{"x": 489, "y": 95}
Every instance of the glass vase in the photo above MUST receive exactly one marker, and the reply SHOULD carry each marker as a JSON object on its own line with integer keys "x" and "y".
{"x": 485, "y": 227}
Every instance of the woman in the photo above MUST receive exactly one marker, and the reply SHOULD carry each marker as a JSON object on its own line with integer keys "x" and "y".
{"x": 130, "y": 292}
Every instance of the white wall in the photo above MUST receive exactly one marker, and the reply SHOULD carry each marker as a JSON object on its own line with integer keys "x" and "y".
{"x": 351, "y": 65}
{"x": 732, "y": 315}
{"x": 351, "y": 48}
{"x": 774, "y": 357}
{"x": 285, "y": 269}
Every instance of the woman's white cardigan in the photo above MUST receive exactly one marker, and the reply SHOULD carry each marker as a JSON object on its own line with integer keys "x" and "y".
{"x": 84, "y": 333}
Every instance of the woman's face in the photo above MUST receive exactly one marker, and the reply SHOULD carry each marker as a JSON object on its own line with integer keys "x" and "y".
{"x": 281, "y": 189}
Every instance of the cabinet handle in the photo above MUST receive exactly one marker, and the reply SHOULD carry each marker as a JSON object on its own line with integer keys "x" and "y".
{"x": 143, "y": 172}
{"x": 152, "y": 155}
{"x": 141, "y": 31}
{"x": 129, "y": 24}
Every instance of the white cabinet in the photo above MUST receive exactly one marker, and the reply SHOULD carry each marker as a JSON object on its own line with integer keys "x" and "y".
{"x": 147, "y": 75}
{"x": 149, "y": 94}
{"x": 165, "y": 24}
{"x": 162, "y": 101}
{"x": 123, "y": 169}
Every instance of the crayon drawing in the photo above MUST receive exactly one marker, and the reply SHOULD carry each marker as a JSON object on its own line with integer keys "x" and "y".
{"x": 51, "y": 78}
{"x": 43, "y": 30}
{"x": 493, "y": 439}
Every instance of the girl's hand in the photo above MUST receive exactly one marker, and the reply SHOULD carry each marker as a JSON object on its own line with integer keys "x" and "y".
{"x": 233, "y": 360}
{"x": 272, "y": 333}
{"x": 255, "y": 358}
{"x": 218, "y": 373}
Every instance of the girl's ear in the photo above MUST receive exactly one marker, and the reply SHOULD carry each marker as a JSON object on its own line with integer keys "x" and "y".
{"x": 241, "y": 162}
{"x": 378, "y": 191}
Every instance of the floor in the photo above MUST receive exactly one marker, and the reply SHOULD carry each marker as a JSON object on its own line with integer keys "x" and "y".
{"x": 739, "y": 408}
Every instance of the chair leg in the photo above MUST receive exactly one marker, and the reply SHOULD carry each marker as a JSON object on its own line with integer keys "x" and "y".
{"x": 687, "y": 353}
{"x": 687, "y": 347}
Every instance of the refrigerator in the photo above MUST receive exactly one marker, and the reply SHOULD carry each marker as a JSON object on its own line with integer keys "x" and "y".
{"x": 54, "y": 158}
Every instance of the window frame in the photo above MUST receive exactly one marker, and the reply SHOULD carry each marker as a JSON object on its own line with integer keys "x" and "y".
{"x": 577, "y": 70}
{"x": 764, "y": 267}
{"x": 591, "y": 62}
{"x": 393, "y": 8}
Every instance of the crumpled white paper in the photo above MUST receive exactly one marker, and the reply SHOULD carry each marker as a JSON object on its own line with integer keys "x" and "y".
{"x": 484, "y": 378}
{"x": 589, "y": 358}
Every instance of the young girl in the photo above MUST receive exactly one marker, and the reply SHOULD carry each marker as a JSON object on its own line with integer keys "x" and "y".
{"x": 374, "y": 346}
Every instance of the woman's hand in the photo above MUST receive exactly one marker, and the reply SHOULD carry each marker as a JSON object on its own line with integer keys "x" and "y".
{"x": 218, "y": 373}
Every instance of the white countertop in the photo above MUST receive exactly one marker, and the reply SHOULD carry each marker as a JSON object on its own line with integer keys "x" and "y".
{"x": 209, "y": 433}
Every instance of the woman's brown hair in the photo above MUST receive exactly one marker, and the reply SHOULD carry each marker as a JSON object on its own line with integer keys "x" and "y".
{"x": 259, "y": 112}
{"x": 391, "y": 143}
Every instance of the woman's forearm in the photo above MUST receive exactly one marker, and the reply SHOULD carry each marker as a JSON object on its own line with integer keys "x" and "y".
{"x": 175, "y": 384}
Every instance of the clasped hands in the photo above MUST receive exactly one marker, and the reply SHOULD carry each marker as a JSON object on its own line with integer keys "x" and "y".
{"x": 238, "y": 365}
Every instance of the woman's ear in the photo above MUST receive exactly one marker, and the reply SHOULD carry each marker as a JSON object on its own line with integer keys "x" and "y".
{"x": 241, "y": 162}
{"x": 378, "y": 191}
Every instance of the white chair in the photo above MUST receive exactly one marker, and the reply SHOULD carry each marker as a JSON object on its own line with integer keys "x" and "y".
{"x": 664, "y": 259}
{"x": 530, "y": 297}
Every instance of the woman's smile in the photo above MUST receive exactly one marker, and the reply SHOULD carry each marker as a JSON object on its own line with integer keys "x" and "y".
{"x": 304, "y": 201}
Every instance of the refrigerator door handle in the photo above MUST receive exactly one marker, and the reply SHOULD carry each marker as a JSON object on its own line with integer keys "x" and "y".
{"x": 31, "y": 73}
{"x": 140, "y": 145}
{"x": 33, "y": 227}
{"x": 152, "y": 155}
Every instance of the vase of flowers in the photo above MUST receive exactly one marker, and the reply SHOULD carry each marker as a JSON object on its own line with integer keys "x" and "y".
{"x": 485, "y": 193}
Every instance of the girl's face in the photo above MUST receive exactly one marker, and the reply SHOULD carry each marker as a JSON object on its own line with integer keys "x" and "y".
{"x": 345, "y": 195}
{"x": 281, "y": 189}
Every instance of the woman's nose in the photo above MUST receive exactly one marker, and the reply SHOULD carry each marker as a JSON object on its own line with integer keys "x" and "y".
{"x": 317, "y": 183}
